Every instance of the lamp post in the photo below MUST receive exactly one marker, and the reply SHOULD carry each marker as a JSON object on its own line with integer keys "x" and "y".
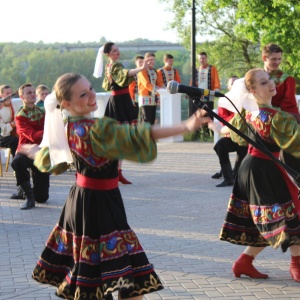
{"x": 192, "y": 107}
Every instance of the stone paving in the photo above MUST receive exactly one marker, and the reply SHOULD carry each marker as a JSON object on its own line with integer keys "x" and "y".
{"x": 176, "y": 211}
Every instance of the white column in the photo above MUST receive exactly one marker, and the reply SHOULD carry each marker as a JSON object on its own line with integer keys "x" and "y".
{"x": 170, "y": 112}
{"x": 102, "y": 99}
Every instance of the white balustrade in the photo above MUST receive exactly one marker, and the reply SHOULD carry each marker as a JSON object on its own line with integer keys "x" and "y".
{"x": 170, "y": 112}
{"x": 102, "y": 99}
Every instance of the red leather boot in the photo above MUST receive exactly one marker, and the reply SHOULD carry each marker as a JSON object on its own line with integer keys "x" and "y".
{"x": 122, "y": 179}
{"x": 295, "y": 268}
{"x": 244, "y": 266}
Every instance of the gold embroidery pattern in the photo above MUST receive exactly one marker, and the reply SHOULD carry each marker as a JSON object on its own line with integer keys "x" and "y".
{"x": 273, "y": 213}
{"x": 150, "y": 286}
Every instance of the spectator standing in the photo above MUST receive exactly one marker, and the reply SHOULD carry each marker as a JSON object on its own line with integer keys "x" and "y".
{"x": 207, "y": 77}
{"x": 167, "y": 72}
{"x": 148, "y": 84}
{"x": 30, "y": 127}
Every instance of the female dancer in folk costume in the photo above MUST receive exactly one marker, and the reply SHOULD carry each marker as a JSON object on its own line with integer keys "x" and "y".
{"x": 263, "y": 209}
{"x": 117, "y": 80}
{"x": 92, "y": 252}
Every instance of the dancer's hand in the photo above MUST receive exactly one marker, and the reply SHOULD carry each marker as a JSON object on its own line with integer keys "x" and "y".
{"x": 146, "y": 63}
{"x": 193, "y": 123}
{"x": 215, "y": 126}
{"x": 196, "y": 121}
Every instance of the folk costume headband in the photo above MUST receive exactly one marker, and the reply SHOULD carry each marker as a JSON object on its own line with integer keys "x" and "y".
{"x": 55, "y": 136}
{"x": 98, "y": 70}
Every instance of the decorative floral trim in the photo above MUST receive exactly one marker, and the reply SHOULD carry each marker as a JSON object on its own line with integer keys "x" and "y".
{"x": 87, "y": 250}
{"x": 272, "y": 213}
{"x": 80, "y": 142}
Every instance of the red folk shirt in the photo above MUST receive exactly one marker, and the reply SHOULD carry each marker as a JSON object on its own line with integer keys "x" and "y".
{"x": 224, "y": 113}
{"x": 30, "y": 125}
{"x": 227, "y": 115}
{"x": 285, "y": 97}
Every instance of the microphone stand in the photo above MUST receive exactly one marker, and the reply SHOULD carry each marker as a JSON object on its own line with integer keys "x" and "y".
{"x": 200, "y": 104}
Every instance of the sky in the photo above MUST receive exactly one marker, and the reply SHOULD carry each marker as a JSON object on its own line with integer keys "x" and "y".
{"x": 70, "y": 21}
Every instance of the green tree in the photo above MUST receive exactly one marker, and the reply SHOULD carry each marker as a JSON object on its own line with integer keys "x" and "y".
{"x": 215, "y": 23}
{"x": 276, "y": 21}
{"x": 233, "y": 31}
{"x": 13, "y": 64}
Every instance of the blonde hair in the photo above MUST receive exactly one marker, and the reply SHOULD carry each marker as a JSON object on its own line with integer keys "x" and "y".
{"x": 63, "y": 85}
{"x": 250, "y": 78}
{"x": 23, "y": 86}
{"x": 4, "y": 87}
{"x": 41, "y": 87}
{"x": 149, "y": 54}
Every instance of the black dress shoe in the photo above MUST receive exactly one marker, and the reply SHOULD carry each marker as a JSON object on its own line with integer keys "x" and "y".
{"x": 19, "y": 195}
{"x": 217, "y": 175}
{"x": 225, "y": 182}
{"x": 28, "y": 204}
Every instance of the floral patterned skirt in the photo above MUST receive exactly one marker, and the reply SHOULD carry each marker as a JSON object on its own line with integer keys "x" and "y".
{"x": 93, "y": 252}
{"x": 261, "y": 211}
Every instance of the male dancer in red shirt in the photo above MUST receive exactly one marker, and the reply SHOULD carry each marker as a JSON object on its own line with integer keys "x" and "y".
{"x": 30, "y": 128}
{"x": 285, "y": 97}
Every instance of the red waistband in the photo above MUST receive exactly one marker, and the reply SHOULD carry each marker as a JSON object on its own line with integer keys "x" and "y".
{"x": 120, "y": 92}
{"x": 96, "y": 184}
{"x": 257, "y": 153}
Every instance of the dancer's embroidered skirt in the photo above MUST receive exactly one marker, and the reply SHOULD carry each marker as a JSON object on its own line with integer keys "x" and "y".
{"x": 261, "y": 211}
{"x": 93, "y": 252}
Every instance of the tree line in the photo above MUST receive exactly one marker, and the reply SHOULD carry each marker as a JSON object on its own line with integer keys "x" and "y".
{"x": 40, "y": 63}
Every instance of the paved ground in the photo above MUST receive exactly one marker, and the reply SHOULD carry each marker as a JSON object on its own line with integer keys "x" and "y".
{"x": 177, "y": 214}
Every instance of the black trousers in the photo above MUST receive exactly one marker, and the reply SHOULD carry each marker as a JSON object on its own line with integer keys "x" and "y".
{"x": 9, "y": 142}
{"x": 136, "y": 110}
{"x": 148, "y": 114}
{"x": 41, "y": 181}
{"x": 224, "y": 146}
